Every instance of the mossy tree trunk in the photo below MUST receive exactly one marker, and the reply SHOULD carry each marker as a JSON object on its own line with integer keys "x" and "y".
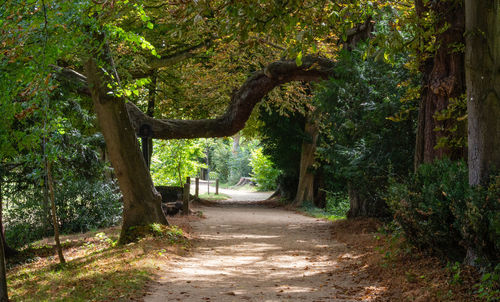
{"x": 141, "y": 201}
{"x": 443, "y": 74}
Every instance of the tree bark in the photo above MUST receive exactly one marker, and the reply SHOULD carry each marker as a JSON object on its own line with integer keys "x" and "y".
{"x": 141, "y": 201}
{"x": 483, "y": 87}
{"x": 305, "y": 189}
{"x": 443, "y": 78}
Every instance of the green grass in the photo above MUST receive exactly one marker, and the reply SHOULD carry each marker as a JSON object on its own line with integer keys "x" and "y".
{"x": 96, "y": 270}
{"x": 212, "y": 196}
{"x": 246, "y": 188}
{"x": 311, "y": 210}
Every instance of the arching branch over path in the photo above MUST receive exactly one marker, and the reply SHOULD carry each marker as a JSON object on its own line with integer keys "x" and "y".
{"x": 243, "y": 101}
{"x": 119, "y": 120}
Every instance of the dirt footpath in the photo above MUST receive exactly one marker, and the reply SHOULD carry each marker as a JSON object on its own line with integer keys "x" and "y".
{"x": 253, "y": 253}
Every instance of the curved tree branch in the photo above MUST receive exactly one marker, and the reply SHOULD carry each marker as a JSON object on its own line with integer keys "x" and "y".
{"x": 243, "y": 100}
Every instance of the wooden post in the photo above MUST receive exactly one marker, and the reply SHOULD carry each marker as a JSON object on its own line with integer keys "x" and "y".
{"x": 188, "y": 180}
{"x": 217, "y": 186}
{"x": 185, "y": 200}
{"x": 197, "y": 186}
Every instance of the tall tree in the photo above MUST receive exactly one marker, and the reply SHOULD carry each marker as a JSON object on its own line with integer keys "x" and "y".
{"x": 483, "y": 87}
{"x": 141, "y": 201}
{"x": 443, "y": 72}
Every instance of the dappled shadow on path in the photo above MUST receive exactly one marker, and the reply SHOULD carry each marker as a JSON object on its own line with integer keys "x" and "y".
{"x": 261, "y": 254}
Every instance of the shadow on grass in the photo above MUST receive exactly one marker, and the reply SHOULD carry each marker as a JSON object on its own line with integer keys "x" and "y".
{"x": 108, "y": 274}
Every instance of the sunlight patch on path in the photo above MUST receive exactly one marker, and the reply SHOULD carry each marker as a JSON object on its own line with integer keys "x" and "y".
{"x": 261, "y": 254}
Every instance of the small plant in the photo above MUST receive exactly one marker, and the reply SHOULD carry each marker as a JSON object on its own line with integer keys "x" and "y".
{"x": 489, "y": 287}
{"x": 337, "y": 203}
{"x": 455, "y": 271}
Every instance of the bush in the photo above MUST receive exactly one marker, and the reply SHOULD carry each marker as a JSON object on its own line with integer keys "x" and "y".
{"x": 82, "y": 205}
{"x": 263, "y": 171}
{"x": 439, "y": 211}
{"x": 337, "y": 203}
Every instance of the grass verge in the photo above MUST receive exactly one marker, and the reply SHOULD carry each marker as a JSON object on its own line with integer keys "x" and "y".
{"x": 311, "y": 210}
{"x": 96, "y": 270}
{"x": 212, "y": 196}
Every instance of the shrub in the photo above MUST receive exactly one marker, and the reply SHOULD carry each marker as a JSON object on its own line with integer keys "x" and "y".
{"x": 263, "y": 171}
{"x": 337, "y": 203}
{"x": 439, "y": 211}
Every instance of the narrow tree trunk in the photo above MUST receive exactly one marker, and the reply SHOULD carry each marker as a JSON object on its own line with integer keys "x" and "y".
{"x": 141, "y": 201}
{"x": 50, "y": 183}
{"x": 147, "y": 142}
{"x": 305, "y": 189}
{"x": 483, "y": 87}
{"x": 443, "y": 79}
{"x": 236, "y": 143}
{"x": 3, "y": 270}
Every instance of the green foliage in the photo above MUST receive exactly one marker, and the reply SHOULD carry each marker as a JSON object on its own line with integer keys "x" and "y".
{"x": 229, "y": 165}
{"x": 310, "y": 209}
{"x": 456, "y": 116}
{"x": 263, "y": 171}
{"x": 337, "y": 203}
{"x": 439, "y": 211}
{"x": 281, "y": 140}
{"x": 360, "y": 147}
{"x": 174, "y": 160}
{"x": 489, "y": 286}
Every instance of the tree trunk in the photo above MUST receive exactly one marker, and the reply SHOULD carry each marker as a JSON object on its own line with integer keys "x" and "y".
{"x": 305, "y": 189}
{"x": 3, "y": 271}
{"x": 357, "y": 204}
{"x": 236, "y": 143}
{"x": 55, "y": 223}
{"x": 483, "y": 87}
{"x": 443, "y": 79}
{"x": 319, "y": 193}
{"x": 141, "y": 201}
{"x": 147, "y": 142}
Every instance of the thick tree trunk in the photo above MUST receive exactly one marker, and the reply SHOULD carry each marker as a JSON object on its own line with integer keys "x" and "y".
{"x": 141, "y": 201}
{"x": 443, "y": 78}
{"x": 483, "y": 87}
{"x": 357, "y": 204}
{"x": 305, "y": 189}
